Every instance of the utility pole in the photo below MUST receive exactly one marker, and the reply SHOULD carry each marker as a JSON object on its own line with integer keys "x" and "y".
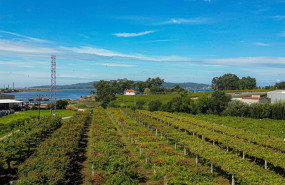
{"x": 53, "y": 86}
{"x": 39, "y": 98}
{"x": 135, "y": 101}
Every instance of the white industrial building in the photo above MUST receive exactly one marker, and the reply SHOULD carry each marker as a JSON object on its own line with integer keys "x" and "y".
{"x": 276, "y": 96}
{"x": 8, "y": 104}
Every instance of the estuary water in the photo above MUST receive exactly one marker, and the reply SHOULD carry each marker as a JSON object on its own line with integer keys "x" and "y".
{"x": 61, "y": 94}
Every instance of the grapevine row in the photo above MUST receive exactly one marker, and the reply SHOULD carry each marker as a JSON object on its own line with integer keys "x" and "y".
{"x": 243, "y": 170}
{"x": 261, "y": 126}
{"x": 17, "y": 147}
{"x": 274, "y": 157}
{"x": 110, "y": 162}
{"x": 50, "y": 163}
{"x": 264, "y": 140}
{"x": 5, "y": 128}
{"x": 169, "y": 164}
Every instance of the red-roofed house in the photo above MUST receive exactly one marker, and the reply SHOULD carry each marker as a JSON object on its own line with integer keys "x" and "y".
{"x": 130, "y": 92}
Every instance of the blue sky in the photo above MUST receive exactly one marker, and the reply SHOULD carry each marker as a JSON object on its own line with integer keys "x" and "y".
{"x": 177, "y": 40}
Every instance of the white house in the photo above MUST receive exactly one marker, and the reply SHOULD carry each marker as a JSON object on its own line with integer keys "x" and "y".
{"x": 130, "y": 92}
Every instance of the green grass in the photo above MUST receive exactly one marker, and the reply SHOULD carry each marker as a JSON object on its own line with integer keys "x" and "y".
{"x": 21, "y": 115}
{"x": 164, "y": 98}
{"x": 129, "y": 100}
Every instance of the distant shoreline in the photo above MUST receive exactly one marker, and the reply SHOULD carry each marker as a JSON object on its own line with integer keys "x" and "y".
{"x": 44, "y": 90}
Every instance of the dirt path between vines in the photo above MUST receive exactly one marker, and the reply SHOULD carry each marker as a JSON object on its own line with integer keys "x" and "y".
{"x": 147, "y": 173}
{"x": 76, "y": 174}
{"x": 85, "y": 171}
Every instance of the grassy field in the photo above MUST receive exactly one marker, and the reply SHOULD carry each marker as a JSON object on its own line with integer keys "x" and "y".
{"x": 123, "y": 100}
{"x": 21, "y": 115}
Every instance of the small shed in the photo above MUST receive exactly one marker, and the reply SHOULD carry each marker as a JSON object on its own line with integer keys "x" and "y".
{"x": 6, "y": 104}
{"x": 130, "y": 92}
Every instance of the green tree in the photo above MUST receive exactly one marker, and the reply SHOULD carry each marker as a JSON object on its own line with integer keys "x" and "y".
{"x": 140, "y": 86}
{"x": 155, "y": 89}
{"x": 105, "y": 92}
{"x": 61, "y": 104}
{"x": 154, "y": 82}
{"x": 247, "y": 83}
{"x": 255, "y": 111}
{"x": 184, "y": 103}
{"x": 236, "y": 108}
{"x": 122, "y": 85}
{"x": 203, "y": 104}
{"x": 154, "y": 105}
{"x": 226, "y": 82}
{"x": 280, "y": 85}
{"x": 177, "y": 88}
{"x": 146, "y": 91}
{"x": 218, "y": 102}
{"x": 140, "y": 104}
{"x": 278, "y": 111}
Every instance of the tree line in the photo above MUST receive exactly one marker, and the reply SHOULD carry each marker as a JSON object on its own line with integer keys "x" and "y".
{"x": 278, "y": 85}
{"x": 106, "y": 90}
{"x": 233, "y": 82}
{"x": 219, "y": 104}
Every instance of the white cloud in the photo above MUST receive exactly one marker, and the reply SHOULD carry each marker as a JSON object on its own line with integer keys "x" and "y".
{"x": 193, "y": 21}
{"x": 26, "y": 37}
{"x": 109, "y": 53}
{"x": 95, "y": 51}
{"x": 241, "y": 61}
{"x": 16, "y": 63}
{"x": 279, "y": 17}
{"x": 114, "y": 65}
{"x": 20, "y": 47}
{"x": 246, "y": 61}
{"x": 262, "y": 44}
{"x": 101, "y": 56}
{"x": 133, "y": 34}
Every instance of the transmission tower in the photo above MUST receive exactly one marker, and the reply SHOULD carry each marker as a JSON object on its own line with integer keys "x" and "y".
{"x": 53, "y": 86}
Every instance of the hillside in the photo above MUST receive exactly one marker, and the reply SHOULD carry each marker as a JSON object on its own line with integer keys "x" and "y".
{"x": 89, "y": 85}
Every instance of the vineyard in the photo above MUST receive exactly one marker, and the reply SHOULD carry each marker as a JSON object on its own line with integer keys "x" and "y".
{"x": 14, "y": 121}
{"x": 177, "y": 149}
{"x": 141, "y": 147}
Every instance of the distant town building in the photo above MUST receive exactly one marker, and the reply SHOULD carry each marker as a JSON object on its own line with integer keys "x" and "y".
{"x": 252, "y": 98}
{"x": 276, "y": 96}
{"x": 130, "y": 92}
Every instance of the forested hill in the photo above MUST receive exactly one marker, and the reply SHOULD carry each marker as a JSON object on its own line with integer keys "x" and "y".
{"x": 89, "y": 85}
